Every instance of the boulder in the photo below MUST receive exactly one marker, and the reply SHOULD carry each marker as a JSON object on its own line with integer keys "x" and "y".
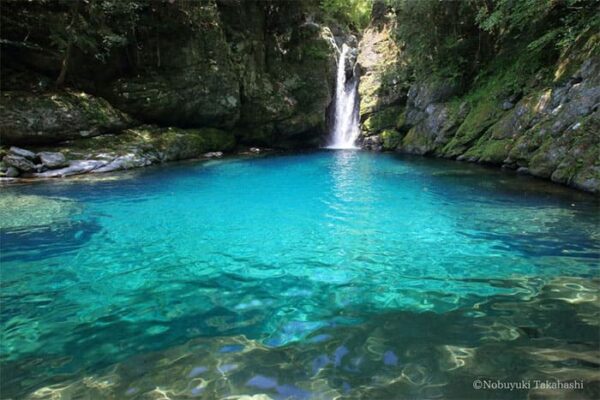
{"x": 75, "y": 167}
{"x": 213, "y": 154}
{"x": 17, "y": 151}
{"x": 139, "y": 147}
{"x": 19, "y": 162}
{"x": 52, "y": 160}
{"x": 46, "y": 118}
{"x": 373, "y": 143}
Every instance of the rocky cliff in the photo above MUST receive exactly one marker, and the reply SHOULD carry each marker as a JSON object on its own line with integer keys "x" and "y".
{"x": 546, "y": 124}
{"x": 260, "y": 72}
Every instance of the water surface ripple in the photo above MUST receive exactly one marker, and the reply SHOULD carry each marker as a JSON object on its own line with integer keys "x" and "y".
{"x": 337, "y": 274}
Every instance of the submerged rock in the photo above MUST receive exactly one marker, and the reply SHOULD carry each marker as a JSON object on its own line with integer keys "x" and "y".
{"x": 26, "y": 211}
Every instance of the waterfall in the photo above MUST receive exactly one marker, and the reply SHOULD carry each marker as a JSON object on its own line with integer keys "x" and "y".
{"x": 345, "y": 126}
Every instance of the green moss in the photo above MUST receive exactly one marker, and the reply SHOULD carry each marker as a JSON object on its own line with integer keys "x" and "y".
{"x": 479, "y": 119}
{"x": 417, "y": 141}
{"x": 390, "y": 117}
{"x": 491, "y": 151}
{"x": 582, "y": 161}
{"x": 391, "y": 139}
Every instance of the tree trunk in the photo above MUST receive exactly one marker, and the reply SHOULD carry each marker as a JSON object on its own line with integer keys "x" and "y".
{"x": 64, "y": 67}
{"x": 60, "y": 81}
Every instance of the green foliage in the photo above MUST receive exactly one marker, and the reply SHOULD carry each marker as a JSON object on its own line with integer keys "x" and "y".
{"x": 95, "y": 27}
{"x": 544, "y": 24}
{"x": 458, "y": 39}
{"x": 354, "y": 13}
{"x": 439, "y": 37}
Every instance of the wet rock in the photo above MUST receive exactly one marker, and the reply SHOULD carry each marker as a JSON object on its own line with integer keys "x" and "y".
{"x": 523, "y": 171}
{"x": 126, "y": 161}
{"x": 373, "y": 143}
{"x": 19, "y": 162}
{"x": 350, "y": 62}
{"x": 76, "y": 167}
{"x": 52, "y": 160}
{"x": 213, "y": 154}
{"x": 255, "y": 150}
{"x": 17, "y": 151}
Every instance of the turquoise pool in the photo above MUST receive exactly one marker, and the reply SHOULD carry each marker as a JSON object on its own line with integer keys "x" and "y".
{"x": 332, "y": 274}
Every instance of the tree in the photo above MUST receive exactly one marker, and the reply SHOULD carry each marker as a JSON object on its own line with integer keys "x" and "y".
{"x": 95, "y": 28}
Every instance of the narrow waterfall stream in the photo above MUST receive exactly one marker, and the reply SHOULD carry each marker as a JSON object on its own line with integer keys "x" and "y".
{"x": 345, "y": 128}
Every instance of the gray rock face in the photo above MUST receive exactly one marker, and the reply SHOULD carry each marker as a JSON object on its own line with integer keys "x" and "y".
{"x": 232, "y": 71}
{"x": 422, "y": 95}
{"x": 546, "y": 130}
{"x": 52, "y": 160}
{"x": 373, "y": 143}
{"x": 19, "y": 162}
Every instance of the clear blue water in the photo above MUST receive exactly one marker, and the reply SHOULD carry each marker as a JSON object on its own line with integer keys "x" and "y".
{"x": 300, "y": 276}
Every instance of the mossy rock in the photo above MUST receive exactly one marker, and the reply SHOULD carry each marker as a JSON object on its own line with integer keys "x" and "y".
{"x": 581, "y": 165}
{"x": 389, "y": 117}
{"x": 43, "y": 118}
{"x": 181, "y": 144}
{"x": 480, "y": 118}
{"x": 490, "y": 150}
{"x": 152, "y": 142}
{"x": 418, "y": 140}
{"x": 391, "y": 139}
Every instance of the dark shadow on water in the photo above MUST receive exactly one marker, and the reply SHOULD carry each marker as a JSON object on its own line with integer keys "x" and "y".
{"x": 46, "y": 241}
{"x": 401, "y": 354}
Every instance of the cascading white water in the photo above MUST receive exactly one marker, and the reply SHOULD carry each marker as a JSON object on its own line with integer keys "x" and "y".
{"x": 345, "y": 126}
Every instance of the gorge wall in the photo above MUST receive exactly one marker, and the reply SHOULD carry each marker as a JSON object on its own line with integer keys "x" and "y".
{"x": 154, "y": 81}
{"x": 194, "y": 77}
{"x": 548, "y": 127}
